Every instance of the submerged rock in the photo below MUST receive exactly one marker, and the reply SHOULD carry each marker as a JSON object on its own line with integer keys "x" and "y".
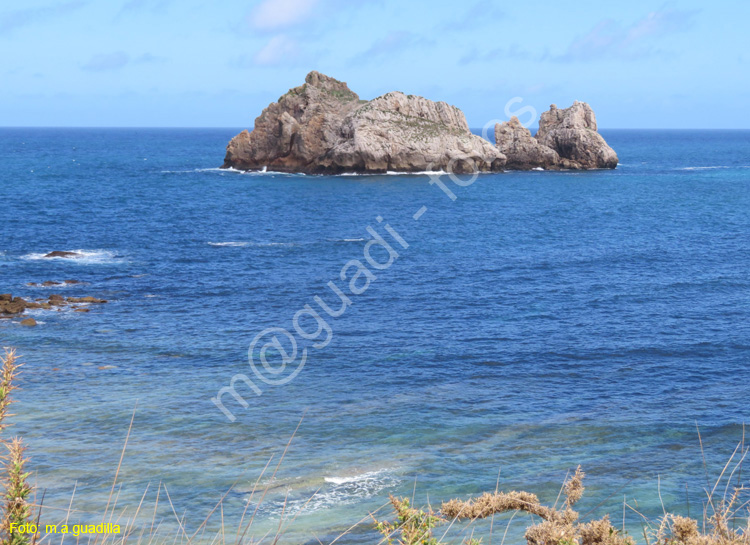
{"x": 87, "y": 299}
{"x": 15, "y": 305}
{"x": 323, "y": 127}
{"x": 69, "y": 255}
{"x": 50, "y": 283}
{"x": 566, "y": 138}
{"x": 29, "y": 322}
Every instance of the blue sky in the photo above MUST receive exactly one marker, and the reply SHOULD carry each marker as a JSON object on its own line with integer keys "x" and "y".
{"x": 640, "y": 64}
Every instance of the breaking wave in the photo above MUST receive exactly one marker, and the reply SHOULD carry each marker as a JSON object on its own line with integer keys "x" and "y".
{"x": 85, "y": 257}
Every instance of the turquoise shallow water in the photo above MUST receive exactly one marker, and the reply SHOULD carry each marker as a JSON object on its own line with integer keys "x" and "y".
{"x": 539, "y": 321}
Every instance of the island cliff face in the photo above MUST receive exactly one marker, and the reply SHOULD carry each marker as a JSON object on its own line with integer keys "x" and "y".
{"x": 323, "y": 127}
{"x": 566, "y": 139}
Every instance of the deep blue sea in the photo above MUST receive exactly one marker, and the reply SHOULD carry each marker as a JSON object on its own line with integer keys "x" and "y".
{"x": 539, "y": 321}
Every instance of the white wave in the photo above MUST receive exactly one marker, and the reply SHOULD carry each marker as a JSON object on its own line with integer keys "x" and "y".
{"x": 229, "y": 244}
{"x": 59, "y": 286}
{"x": 713, "y": 167}
{"x": 214, "y": 169}
{"x": 194, "y": 170}
{"x": 264, "y": 172}
{"x": 419, "y": 173}
{"x": 261, "y": 172}
{"x": 33, "y": 312}
{"x": 358, "y": 478}
{"x": 85, "y": 257}
{"x": 345, "y": 490}
{"x": 255, "y": 244}
{"x": 396, "y": 173}
{"x": 67, "y": 311}
{"x": 537, "y": 168}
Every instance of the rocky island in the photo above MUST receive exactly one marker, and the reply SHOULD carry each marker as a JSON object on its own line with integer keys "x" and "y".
{"x": 566, "y": 139}
{"x": 322, "y": 127}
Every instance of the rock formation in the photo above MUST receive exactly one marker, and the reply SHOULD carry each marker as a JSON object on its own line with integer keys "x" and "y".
{"x": 295, "y": 132}
{"x": 323, "y": 127}
{"x": 11, "y": 307}
{"x": 566, "y": 138}
{"x": 524, "y": 152}
{"x": 50, "y": 283}
{"x": 67, "y": 255}
{"x": 572, "y": 133}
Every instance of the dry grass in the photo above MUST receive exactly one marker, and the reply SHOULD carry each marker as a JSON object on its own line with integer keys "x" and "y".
{"x": 724, "y": 522}
{"x": 17, "y": 509}
{"x": 558, "y": 526}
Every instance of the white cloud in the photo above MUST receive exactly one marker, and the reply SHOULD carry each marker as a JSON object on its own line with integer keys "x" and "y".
{"x": 277, "y": 14}
{"x": 481, "y": 13}
{"x": 396, "y": 41}
{"x": 28, "y": 16}
{"x": 609, "y": 39}
{"x": 280, "y": 49}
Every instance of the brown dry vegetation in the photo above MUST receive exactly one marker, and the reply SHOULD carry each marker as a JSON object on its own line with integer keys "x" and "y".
{"x": 17, "y": 508}
{"x": 561, "y": 526}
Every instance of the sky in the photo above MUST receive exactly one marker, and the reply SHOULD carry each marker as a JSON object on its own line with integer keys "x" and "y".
{"x": 186, "y": 63}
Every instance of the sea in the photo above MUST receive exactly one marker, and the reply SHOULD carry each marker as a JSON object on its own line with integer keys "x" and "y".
{"x": 515, "y": 326}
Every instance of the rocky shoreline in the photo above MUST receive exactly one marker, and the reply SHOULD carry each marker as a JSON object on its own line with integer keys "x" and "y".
{"x": 15, "y": 307}
{"x": 322, "y": 127}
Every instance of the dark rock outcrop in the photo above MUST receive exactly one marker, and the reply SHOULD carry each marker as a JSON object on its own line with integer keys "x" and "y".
{"x": 50, "y": 283}
{"x": 323, "y": 127}
{"x": 11, "y": 307}
{"x": 68, "y": 255}
{"x": 16, "y": 305}
{"x": 87, "y": 299}
{"x": 570, "y": 134}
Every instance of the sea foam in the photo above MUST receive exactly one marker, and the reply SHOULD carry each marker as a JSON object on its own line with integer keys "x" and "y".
{"x": 87, "y": 257}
